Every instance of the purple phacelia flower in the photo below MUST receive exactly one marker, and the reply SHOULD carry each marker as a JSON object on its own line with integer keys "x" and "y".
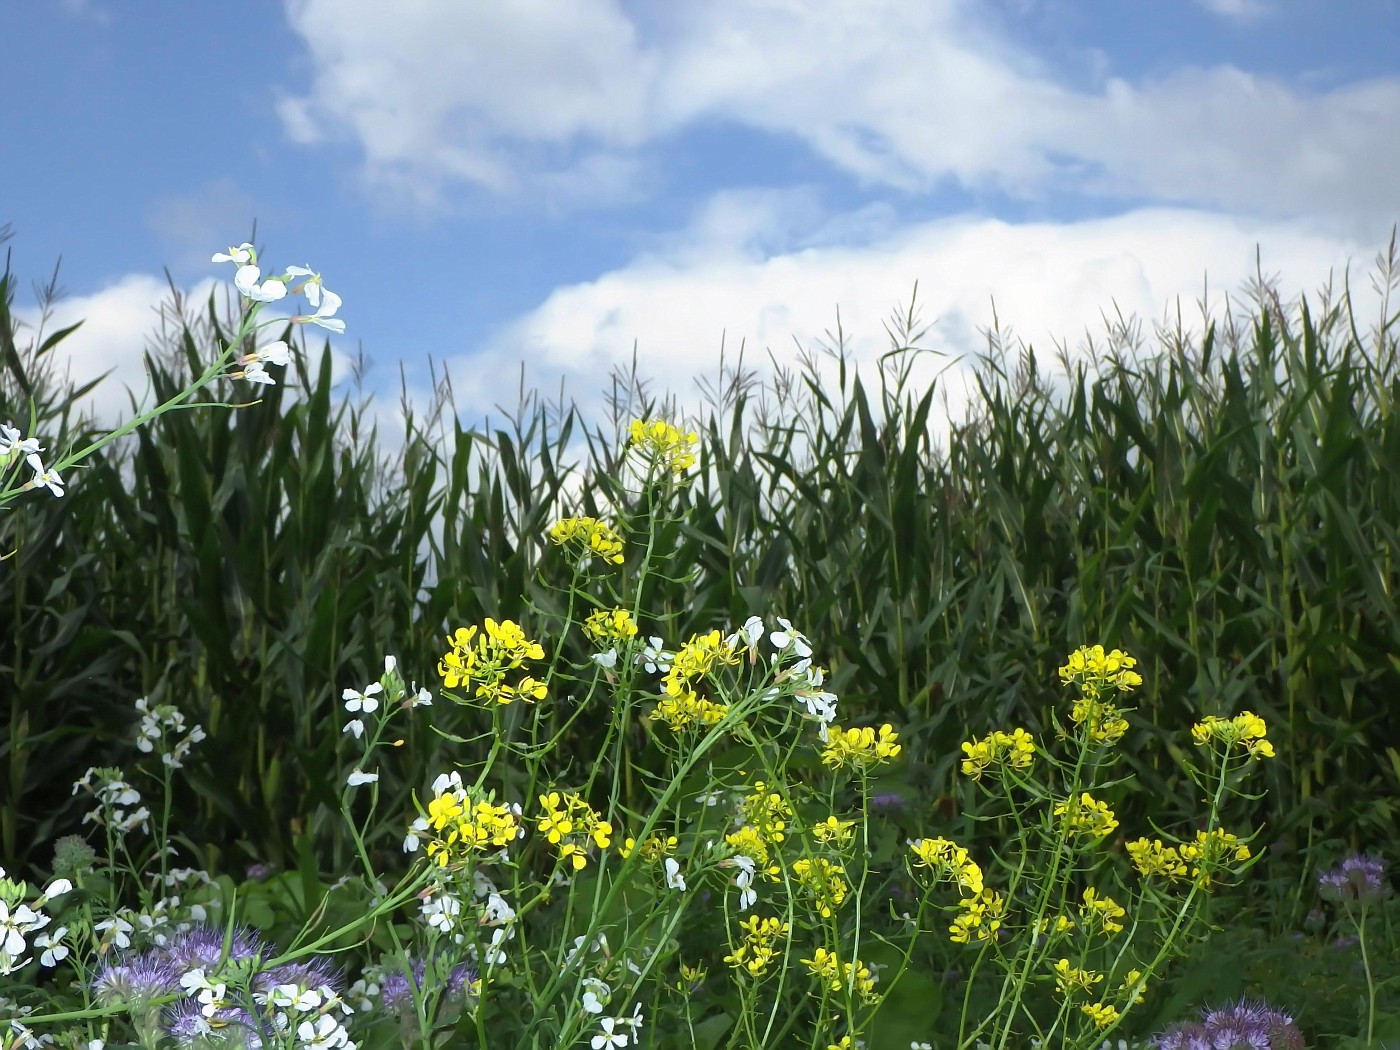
{"x": 887, "y": 800}
{"x": 1244, "y": 1025}
{"x": 396, "y": 994}
{"x": 201, "y": 947}
{"x": 136, "y": 979}
{"x": 1359, "y": 878}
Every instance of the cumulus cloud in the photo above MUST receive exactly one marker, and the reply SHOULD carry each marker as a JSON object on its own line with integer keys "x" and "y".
{"x": 1049, "y": 283}
{"x": 521, "y": 94}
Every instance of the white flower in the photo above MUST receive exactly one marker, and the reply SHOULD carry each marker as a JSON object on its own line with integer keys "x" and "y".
{"x": 787, "y": 637}
{"x": 325, "y": 1034}
{"x": 356, "y": 727}
{"x": 607, "y": 660}
{"x": 242, "y": 255}
{"x": 324, "y": 301}
{"x": 55, "y": 951}
{"x": 422, "y": 698}
{"x": 596, "y": 995}
{"x": 608, "y": 1037}
{"x": 366, "y": 701}
{"x": 654, "y": 657}
{"x": 751, "y": 632}
{"x": 57, "y": 888}
{"x": 710, "y": 798}
{"x": 119, "y": 929}
{"x": 254, "y": 372}
{"x": 43, "y": 478}
{"x": 358, "y": 777}
{"x": 496, "y": 911}
{"x": 246, "y": 280}
{"x": 15, "y": 925}
{"x": 674, "y": 879}
{"x": 290, "y": 996}
{"x": 748, "y": 896}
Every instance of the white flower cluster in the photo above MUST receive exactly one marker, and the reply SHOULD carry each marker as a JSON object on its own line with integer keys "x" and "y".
{"x": 118, "y": 803}
{"x": 19, "y": 919}
{"x": 818, "y": 704}
{"x": 12, "y": 446}
{"x": 251, "y": 284}
{"x": 163, "y": 722}
{"x": 313, "y": 1014}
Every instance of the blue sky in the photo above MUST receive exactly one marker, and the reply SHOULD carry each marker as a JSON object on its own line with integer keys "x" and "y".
{"x": 526, "y": 180}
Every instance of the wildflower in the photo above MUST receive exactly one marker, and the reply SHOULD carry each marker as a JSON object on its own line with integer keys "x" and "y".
{"x": 573, "y": 826}
{"x": 949, "y": 862}
{"x": 664, "y": 445}
{"x": 767, "y": 812}
{"x": 54, "y": 950}
{"x": 1087, "y": 816}
{"x": 365, "y": 702}
{"x": 1101, "y": 912}
{"x": 748, "y": 896}
{"x": 979, "y": 917}
{"x": 43, "y": 477}
{"x": 825, "y": 881}
{"x": 655, "y": 848}
{"x": 1246, "y": 730}
{"x": 1092, "y": 669}
{"x": 358, "y": 778}
{"x": 1211, "y": 853}
{"x": 861, "y": 748}
{"x": 685, "y": 709}
{"x": 654, "y": 656}
{"x": 589, "y": 535}
{"x": 1070, "y": 980}
{"x": 248, "y": 280}
{"x": 323, "y": 301}
{"x": 1103, "y": 1015}
{"x": 464, "y": 823}
{"x": 610, "y": 625}
{"x": 1152, "y": 858}
{"x": 1244, "y": 1024}
{"x": 242, "y": 255}
{"x": 1015, "y": 749}
{"x": 483, "y": 659}
{"x": 16, "y": 923}
{"x": 697, "y": 658}
{"x": 758, "y": 946}
{"x": 841, "y": 976}
{"x": 595, "y": 995}
{"x": 609, "y": 1036}
{"x": 1357, "y": 878}
{"x": 833, "y": 830}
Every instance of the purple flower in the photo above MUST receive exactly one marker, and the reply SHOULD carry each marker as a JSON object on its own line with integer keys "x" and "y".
{"x": 1244, "y": 1025}
{"x": 136, "y": 979}
{"x": 201, "y": 947}
{"x": 314, "y": 973}
{"x": 1358, "y": 878}
{"x": 396, "y": 994}
{"x": 888, "y": 800}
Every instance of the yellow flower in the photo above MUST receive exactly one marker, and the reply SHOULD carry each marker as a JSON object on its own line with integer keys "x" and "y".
{"x": 1103, "y": 912}
{"x": 685, "y": 709}
{"x": 825, "y": 881}
{"x": 655, "y": 848}
{"x": 833, "y": 830}
{"x": 1016, "y": 749}
{"x": 664, "y": 445}
{"x": 949, "y": 863}
{"x": 572, "y": 826}
{"x": 840, "y": 976}
{"x": 1246, "y": 730}
{"x": 1135, "y": 986}
{"x": 481, "y": 660}
{"x": 1093, "y": 669}
{"x": 980, "y": 917}
{"x": 862, "y": 748}
{"x": 1087, "y": 816}
{"x": 1152, "y": 858}
{"x": 610, "y": 625}
{"x": 1071, "y": 979}
{"x": 464, "y": 826}
{"x": 759, "y": 946}
{"x": 1103, "y": 1015}
{"x": 1212, "y": 853}
{"x": 767, "y": 812}
{"x": 590, "y": 536}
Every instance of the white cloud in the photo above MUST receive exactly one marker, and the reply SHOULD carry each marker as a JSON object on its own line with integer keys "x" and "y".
{"x": 1240, "y": 10}
{"x": 1051, "y": 283}
{"x": 519, "y": 93}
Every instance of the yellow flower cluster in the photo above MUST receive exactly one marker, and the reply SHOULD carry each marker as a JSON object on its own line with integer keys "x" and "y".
{"x": 949, "y": 863}
{"x": 590, "y": 535}
{"x": 746, "y": 841}
{"x": 1070, "y": 980}
{"x": 572, "y": 826}
{"x": 463, "y": 827}
{"x": 655, "y": 848}
{"x": 697, "y": 658}
{"x": 861, "y": 748}
{"x": 1086, "y": 815}
{"x": 481, "y": 660}
{"x": 1101, "y": 913}
{"x": 1211, "y": 852}
{"x": 767, "y": 812}
{"x": 835, "y": 831}
{"x": 759, "y": 946}
{"x": 1153, "y": 859}
{"x": 684, "y": 709}
{"x": 1103, "y": 1015}
{"x": 980, "y": 917}
{"x": 1096, "y": 672}
{"x": 1015, "y": 749}
{"x": 825, "y": 881}
{"x": 610, "y": 625}
{"x": 1246, "y": 730}
{"x": 664, "y": 445}
{"x": 840, "y": 976}
{"x": 1093, "y": 669}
